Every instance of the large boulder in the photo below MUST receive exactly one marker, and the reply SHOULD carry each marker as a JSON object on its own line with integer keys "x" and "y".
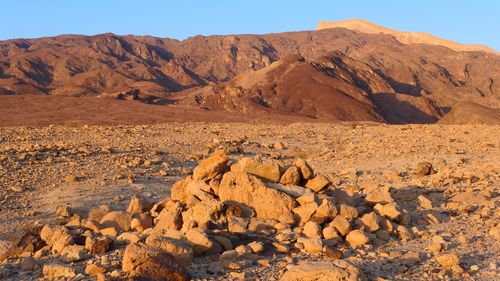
{"x": 142, "y": 262}
{"x": 181, "y": 251}
{"x": 246, "y": 189}
{"x": 338, "y": 270}
{"x": 211, "y": 167}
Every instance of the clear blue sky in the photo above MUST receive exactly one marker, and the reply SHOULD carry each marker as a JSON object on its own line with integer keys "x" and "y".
{"x": 467, "y": 21}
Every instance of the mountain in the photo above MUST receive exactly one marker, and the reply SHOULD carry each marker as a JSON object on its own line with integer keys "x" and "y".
{"x": 403, "y": 37}
{"x": 332, "y": 74}
{"x": 471, "y": 113}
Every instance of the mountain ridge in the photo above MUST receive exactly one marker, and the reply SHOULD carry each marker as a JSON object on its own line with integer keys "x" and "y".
{"x": 365, "y": 26}
{"x": 426, "y": 79}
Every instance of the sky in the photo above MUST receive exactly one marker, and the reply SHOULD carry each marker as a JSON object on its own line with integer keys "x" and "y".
{"x": 465, "y": 21}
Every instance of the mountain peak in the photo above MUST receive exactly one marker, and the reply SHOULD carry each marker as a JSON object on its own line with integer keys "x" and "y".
{"x": 368, "y": 27}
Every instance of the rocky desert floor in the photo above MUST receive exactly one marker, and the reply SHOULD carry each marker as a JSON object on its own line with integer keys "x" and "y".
{"x": 452, "y": 231}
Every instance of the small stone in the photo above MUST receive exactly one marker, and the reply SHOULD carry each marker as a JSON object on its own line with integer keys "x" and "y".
{"x": 55, "y": 271}
{"x": 29, "y": 264}
{"x": 312, "y": 229}
{"x": 424, "y": 202}
{"x": 99, "y": 244}
{"x": 462, "y": 239}
{"x": 348, "y": 212}
{"x": 448, "y": 260}
{"x": 341, "y": 224}
{"x": 73, "y": 253}
{"x": 16, "y": 188}
{"x": 230, "y": 255}
{"x": 357, "y": 238}
{"x": 63, "y": 211}
{"x": 256, "y": 247}
{"x": 94, "y": 270}
{"x": 424, "y": 169}
{"x": 332, "y": 252}
{"x": 305, "y": 170}
{"x": 371, "y": 222}
{"x": 70, "y": 179}
{"x": 242, "y": 249}
{"x": 141, "y": 222}
{"x": 318, "y": 183}
{"x": 311, "y": 245}
{"x": 379, "y": 195}
{"x": 138, "y": 205}
{"x": 390, "y": 211}
{"x": 291, "y": 176}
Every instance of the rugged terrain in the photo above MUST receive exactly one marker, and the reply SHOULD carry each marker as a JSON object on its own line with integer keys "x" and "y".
{"x": 450, "y": 231}
{"x": 332, "y": 74}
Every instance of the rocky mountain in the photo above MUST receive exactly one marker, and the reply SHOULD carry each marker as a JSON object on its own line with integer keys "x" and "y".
{"x": 403, "y": 37}
{"x": 333, "y": 73}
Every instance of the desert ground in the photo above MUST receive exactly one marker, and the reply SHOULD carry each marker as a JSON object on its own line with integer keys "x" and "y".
{"x": 451, "y": 232}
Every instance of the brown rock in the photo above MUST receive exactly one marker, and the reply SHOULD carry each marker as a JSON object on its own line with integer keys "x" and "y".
{"x": 57, "y": 237}
{"x": 246, "y": 189}
{"x": 341, "y": 224}
{"x": 181, "y": 251}
{"x": 291, "y": 176}
{"x": 305, "y": 170}
{"x": 424, "y": 169}
{"x": 138, "y": 205}
{"x": 98, "y": 244}
{"x": 199, "y": 240}
{"x": 56, "y": 271}
{"x": 311, "y": 245}
{"x": 211, "y": 167}
{"x": 312, "y": 229}
{"x": 379, "y": 195}
{"x": 448, "y": 260}
{"x": 390, "y": 211}
{"x": 94, "y": 270}
{"x": 267, "y": 170}
{"x": 357, "y": 238}
{"x": 348, "y": 212}
{"x": 318, "y": 183}
{"x": 203, "y": 212}
{"x": 256, "y": 247}
{"x": 179, "y": 190}
{"x": 305, "y": 212}
{"x": 99, "y": 212}
{"x": 142, "y": 262}
{"x": 338, "y": 270}
{"x": 117, "y": 219}
{"x": 63, "y": 211}
{"x": 141, "y": 222}
{"x": 332, "y": 252}
{"x": 371, "y": 221}
{"x": 424, "y": 202}
{"x": 325, "y": 212}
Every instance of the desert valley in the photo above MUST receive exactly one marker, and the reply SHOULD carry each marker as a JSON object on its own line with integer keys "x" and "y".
{"x": 350, "y": 152}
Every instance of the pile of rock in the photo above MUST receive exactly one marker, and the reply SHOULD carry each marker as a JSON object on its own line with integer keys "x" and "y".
{"x": 238, "y": 211}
